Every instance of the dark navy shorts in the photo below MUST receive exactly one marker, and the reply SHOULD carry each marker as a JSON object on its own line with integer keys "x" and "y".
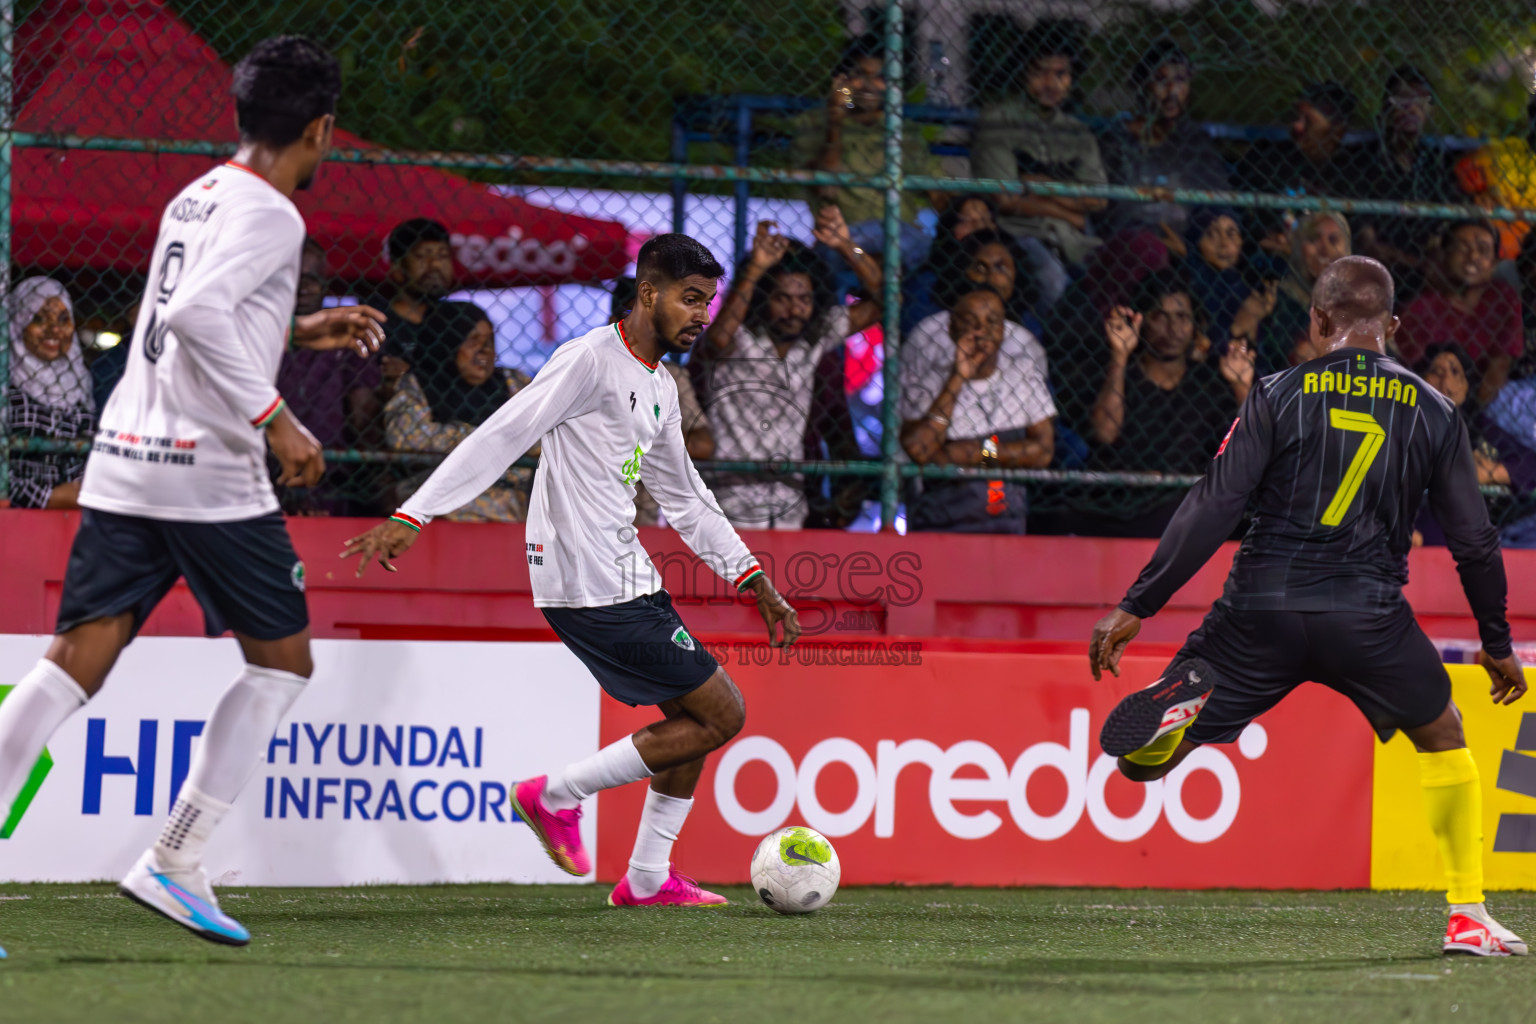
{"x": 640, "y": 651}
{"x": 245, "y": 574}
{"x": 1380, "y": 660}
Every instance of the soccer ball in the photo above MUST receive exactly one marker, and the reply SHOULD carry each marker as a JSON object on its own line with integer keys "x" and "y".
{"x": 795, "y": 870}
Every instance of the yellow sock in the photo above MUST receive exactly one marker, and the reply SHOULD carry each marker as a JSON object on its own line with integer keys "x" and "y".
{"x": 1453, "y": 795}
{"x": 1159, "y": 750}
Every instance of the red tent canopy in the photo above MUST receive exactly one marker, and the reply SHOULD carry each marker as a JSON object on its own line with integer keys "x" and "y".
{"x": 132, "y": 69}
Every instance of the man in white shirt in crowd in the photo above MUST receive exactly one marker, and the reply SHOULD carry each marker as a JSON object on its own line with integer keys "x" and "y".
{"x": 605, "y": 417}
{"x": 177, "y": 484}
{"x": 760, "y": 356}
{"x": 975, "y": 395}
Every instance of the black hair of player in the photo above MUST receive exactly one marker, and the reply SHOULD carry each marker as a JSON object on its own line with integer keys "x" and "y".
{"x": 407, "y": 235}
{"x": 1163, "y": 51}
{"x": 1449, "y": 231}
{"x": 799, "y": 258}
{"x": 1053, "y": 37}
{"x": 860, "y": 48}
{"x": 950, "y": 285}
{"x": 1335, "y": 101}
{"x": 282, "y": 86}
{"x": 672, "y": 257}
{"x": 625, "y": 290}
{"x": 1158, "y": 285}
{"x": 980, "y": 289}
{"x": 310, "y": 245}
{"x": 1405, "y": 76}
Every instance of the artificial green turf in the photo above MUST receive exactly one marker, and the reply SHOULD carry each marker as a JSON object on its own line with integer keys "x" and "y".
{"x": 556, "y": 953}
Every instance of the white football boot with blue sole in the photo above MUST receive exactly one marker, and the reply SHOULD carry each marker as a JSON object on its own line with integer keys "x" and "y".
{"x": 185, "y": 897}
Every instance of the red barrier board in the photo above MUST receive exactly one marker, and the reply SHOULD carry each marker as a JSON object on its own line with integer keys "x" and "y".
{"x": 983, "y": 768}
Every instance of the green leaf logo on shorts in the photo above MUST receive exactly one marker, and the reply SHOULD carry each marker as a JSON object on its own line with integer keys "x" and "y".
{"x": 296, "y": 574}
{"x": 682, "y": 639}
{"x": 802, "y": 846}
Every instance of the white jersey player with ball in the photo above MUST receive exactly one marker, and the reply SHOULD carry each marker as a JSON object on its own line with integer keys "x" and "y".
{"x": 177, "y": 487}
{"x": 604, "y": 418}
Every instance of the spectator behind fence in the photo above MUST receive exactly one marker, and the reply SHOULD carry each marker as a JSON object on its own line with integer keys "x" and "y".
{"x": 777, "y": 333}
{"x": 1031, "y": 138}
{"x": 1157, "y": 409}
{"x": 1508, "y": 425}
{"x": 453, "y": 387}
{"x": 49, "y": 394}
{"x": 1159, "y": 147}
{"x": 1284, "y": 337}
{"x": 974, "y": 393}
{"x": 697, "y": 437}
{"x": 1234, "y": 297}
{"x": 1400, "y": 165}
{"x": 333, "y": 393}
{"x": 993, "y": 259}
{"x": 964, "y": 217}
{"x": 422, "y": 274}
{"x": 1525, "y": 275}
{"x": 1503, "y": 173}
{"x": 848, "y": 136}
{"x": 1467, "y": 306}
{"x": 1306, "y": 164}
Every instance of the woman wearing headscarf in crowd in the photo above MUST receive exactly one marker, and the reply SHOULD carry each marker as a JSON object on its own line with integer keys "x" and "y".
{"x": 946, "y": 256}
{"x": 1448, "y": 369}
{"x": 49, "y": 394}
{"x": 1221, "y": 281}
{"x": 450, "y": 390}
{"x": 1318, "y": 241}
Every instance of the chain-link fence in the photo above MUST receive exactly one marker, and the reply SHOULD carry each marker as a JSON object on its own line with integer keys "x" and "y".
{"x": 1091, "y": 224}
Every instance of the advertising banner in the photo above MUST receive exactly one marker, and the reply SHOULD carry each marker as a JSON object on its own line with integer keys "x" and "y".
{"x": 1503, "y": 743}
{"x": 969, "y": 768}
{"x": 392, "y": 767}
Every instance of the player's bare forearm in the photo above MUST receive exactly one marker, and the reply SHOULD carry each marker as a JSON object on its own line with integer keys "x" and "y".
{"x": 388, "y": 540}
{"x": 776, "y": 613}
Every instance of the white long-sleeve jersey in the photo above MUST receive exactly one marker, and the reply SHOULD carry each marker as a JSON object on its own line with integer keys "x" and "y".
{"x": 181, "y": 437}
{"x": 604, "y": 418}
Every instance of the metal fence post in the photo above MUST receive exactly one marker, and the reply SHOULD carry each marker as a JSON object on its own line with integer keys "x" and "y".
{"x": 890, "y": 479}
{"x": 7, "y": 129}
{"x": 679, "y": 185}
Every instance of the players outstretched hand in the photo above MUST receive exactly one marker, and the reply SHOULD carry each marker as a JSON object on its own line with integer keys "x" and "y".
{"x": 385, "y": 541}
{"x": 1508, "y": 677}
{"x": 360, "y": 328}
{"x": 775, "y": 610}
{"x": 1111, "y": 635}
{"x": 296, "y": 451}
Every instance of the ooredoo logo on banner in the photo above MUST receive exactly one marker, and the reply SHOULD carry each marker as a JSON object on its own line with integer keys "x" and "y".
{"x": 984, "y": 769}
{"x": 393, "y": 766}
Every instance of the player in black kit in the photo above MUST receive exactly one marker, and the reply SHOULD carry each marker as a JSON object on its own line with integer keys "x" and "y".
{"x": 1335, "y": 456}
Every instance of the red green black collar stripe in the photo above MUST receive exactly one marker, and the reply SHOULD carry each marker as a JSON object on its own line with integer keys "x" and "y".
{"x": 411, "y": 521}
{"x": 747, "y": 577}
{"x": 270, "y": 413}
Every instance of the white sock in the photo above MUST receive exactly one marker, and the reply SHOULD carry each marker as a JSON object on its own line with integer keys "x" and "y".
{"x": 616, "y": 764}
{"x": 186, "y": 831}
{"x": 236, "y": 736}
{"x": 38, "y": 705}
{"x": 660, "y": 823}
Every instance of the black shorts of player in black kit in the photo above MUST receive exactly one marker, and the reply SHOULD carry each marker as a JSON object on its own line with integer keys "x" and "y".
{"x": 244, "y": 574}
{"x": 1380, "y": 660}
{"x": 639, "y": 651}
